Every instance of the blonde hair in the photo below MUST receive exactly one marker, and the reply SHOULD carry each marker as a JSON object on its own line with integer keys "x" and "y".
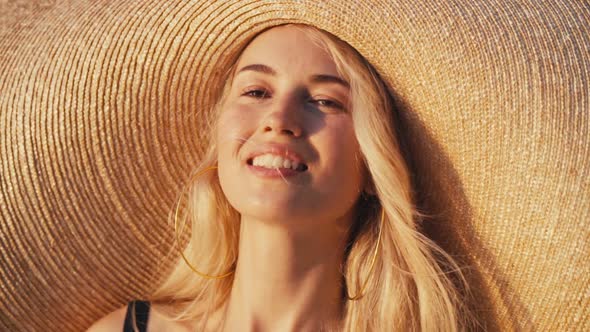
{"x": 412, "y": 286}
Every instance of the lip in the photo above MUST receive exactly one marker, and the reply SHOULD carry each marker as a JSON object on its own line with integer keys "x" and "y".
{"x": 276, "y": 149}
{"x": 280, "y": 150}
{"x": 273, "y": 172}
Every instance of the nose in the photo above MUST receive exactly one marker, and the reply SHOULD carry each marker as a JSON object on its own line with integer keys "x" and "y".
{"x": 284, "y": 119}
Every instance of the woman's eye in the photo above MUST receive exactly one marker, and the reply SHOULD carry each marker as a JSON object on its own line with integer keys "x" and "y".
{"x": 328, "y": 103}
{"x": 256, "y": 93}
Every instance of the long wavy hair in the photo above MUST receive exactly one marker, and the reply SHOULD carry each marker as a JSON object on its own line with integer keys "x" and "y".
{"x": 414, "y": 284}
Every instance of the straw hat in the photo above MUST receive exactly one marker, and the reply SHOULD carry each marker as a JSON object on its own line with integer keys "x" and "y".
{"x": 100, "y": 108}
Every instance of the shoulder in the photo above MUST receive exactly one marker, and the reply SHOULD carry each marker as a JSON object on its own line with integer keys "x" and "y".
{"x": 111, "y": 322}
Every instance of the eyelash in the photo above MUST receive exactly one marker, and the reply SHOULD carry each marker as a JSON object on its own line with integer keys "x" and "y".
{"x": 330, "y": 103}
{"x": 249, "y": 93}
{"x": 258, "y": 93}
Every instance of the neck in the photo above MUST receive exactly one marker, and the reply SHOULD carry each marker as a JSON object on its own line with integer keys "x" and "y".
{"x": 286, "y": 280}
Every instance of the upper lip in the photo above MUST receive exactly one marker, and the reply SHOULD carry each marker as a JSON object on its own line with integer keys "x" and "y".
{"x": 277, "y": 149}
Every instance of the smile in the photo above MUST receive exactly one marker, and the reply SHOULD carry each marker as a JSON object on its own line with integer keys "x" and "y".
{"x": 273, "y": 161}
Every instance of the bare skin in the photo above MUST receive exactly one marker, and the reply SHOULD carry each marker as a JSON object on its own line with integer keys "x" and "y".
{"x": 294, "y": 228}
{"x": 276, "y": 290}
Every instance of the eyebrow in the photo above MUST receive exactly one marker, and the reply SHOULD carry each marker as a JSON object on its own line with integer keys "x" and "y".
{"x": 319, "y": 78}
{"x": 330, "y": 79}
{"x": 259, "y": 68}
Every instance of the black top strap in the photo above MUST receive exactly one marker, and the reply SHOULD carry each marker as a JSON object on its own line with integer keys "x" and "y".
{"x": 142, "y": 314}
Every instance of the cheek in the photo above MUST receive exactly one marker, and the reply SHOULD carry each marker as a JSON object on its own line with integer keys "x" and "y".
{"x": 343, "y": 151}
{"x": 342, "y": 140}
{"x": 234, "y": 128}
{"x": 235, "y": 124}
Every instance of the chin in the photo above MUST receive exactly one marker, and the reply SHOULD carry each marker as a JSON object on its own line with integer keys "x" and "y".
{"x": 275, "y": 211}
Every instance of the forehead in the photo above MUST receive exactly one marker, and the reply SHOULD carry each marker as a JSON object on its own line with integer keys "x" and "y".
{"x": 289, "y": 49}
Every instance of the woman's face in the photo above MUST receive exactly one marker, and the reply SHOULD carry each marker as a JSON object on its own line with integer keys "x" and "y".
{"x": 287, "y": 151}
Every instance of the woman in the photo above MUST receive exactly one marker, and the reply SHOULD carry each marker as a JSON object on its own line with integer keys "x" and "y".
{"x": 302, "y": 216}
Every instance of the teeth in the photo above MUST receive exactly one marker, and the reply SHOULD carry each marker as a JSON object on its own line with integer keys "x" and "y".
{"x": 287, "y": 163}
{"x": 273, "y": 161}
{"x": 277, "y": 162}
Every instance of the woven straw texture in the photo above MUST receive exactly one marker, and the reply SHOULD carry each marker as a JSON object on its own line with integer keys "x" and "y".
{"x": 100, "y": 103}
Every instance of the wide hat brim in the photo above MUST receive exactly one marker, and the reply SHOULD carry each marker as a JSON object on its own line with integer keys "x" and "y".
{"x": 101, "y": 108}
